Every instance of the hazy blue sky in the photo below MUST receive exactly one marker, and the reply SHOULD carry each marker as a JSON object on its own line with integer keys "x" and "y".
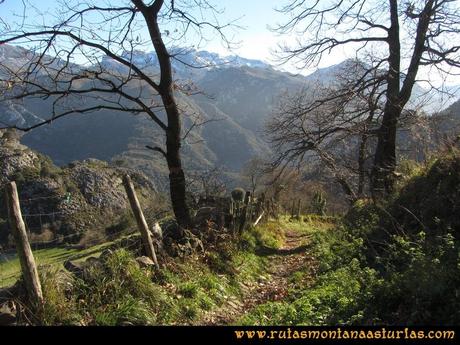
{"x": 254, "y": 16}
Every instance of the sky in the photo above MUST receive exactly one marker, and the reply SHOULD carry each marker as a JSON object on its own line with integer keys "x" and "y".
{"x": 256, "y": 40}
{"x": 253, "y": 18}
{"x": 251, "y": 35}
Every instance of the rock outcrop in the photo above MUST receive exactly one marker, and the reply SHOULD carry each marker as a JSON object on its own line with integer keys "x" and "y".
{"x": 64, "y": 204}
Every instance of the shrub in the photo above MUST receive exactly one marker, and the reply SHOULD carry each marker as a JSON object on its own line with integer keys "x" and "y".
{"x": 47, "y": 167}
{"x": 413, "y": 242}
{"x": 318, "y": 203}
{"x": 238, "y": 194}
{"x": 45, "y": 236}
{"x": 119, "y": 291}
{"x": 60, "y": 306}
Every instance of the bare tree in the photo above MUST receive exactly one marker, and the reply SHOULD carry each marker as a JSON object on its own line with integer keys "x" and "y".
{"x": 207, "y": 183}
{"x": 254, "y": 173}
{"x": 332, "y": 124}
{"x": 102, "y": 39}
{"x": 401, "y": 36}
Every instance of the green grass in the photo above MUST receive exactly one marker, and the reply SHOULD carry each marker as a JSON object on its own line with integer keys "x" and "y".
{"x": 337, "y": 297}
{"x": 119, "y": 292}
{"x": 338, "y": 294}
{"x": 10, "y": 270}
{"x": 397, "y": 262}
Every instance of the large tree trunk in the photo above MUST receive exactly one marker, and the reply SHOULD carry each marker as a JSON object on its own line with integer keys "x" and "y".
{"x": 385, "y": 156}
{"x": 173, "y": 130}
{"x": 177, "y": 186}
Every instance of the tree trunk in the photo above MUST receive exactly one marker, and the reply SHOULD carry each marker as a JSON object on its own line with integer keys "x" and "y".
{"x": 178, "y": 200}
{"x": 385, "y": 156}
{"x": 361, "y": 161}
{"x": 173, "y": 131}
{"x": 177, "y": 186}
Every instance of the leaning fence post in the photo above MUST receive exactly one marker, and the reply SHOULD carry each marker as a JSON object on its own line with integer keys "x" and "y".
{"x": 26, "y": 258}
{"x": 140, "y": 219}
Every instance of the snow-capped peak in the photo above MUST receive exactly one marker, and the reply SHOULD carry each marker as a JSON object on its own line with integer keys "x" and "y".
{"x": 184, "y": 58}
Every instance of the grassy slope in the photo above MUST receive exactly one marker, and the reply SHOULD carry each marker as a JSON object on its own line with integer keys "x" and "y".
{"x": 397, "y": 263}
{"x": 380, "y": 265}
{"x": 182, "y": 292}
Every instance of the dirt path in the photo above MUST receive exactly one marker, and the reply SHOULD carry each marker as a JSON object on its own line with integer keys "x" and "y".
{"x": 273, "y": 285}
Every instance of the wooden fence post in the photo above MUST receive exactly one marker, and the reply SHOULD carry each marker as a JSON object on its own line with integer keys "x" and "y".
{"x": 269, "y": 208}
{"x": 26, "y": 258}
{"x": 140, "y": 219}
{"x": 244, "y": 213}
{"x": 298, "y": 209}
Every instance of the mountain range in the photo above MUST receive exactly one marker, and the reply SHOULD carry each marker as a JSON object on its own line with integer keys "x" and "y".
{"x": 236, "y": 97}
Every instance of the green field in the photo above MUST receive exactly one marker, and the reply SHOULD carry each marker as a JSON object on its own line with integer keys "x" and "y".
{"x": 10, "y": 268}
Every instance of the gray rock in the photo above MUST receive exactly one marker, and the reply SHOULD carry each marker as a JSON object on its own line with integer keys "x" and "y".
{"x": 157, "y": 232}
{"x": 81, "y": 197}
{"x": 14, "y": 157}
{"x": 105, "y": 254}
{"x": 126, "y": 323}
{"x": 204, "y": 214}
{"x": 80, "y": 269}
{"x": 145, "y": 262}
{"x": 74, "y": 267}
{"x": 7, "y": 315}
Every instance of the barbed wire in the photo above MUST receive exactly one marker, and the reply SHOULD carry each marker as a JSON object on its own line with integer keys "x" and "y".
{"x": 44, "y": 198}
{"x": 9, "y": 255}
{"x": 44, "y": 214}
{"x": 90, "y": 243}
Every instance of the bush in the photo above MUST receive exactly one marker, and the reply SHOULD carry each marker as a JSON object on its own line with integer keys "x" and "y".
{"x": 422, "y": 280}
{"x": 46, "y": 235}
{"x": 413, "y": 242}
{"x": 318, "y": 203}
{"x": 119, "y": 291}
{"x": 60, "y": 306}
{"x": 47, "y": 167}
{"x": 430, "y": 201}
{"x": 26, "y": 175}
{"x": 238, "y": 194}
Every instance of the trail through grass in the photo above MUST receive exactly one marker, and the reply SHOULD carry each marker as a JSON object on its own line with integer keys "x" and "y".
{"x": 288, "y": 266}
{"x": 224, "y": 285}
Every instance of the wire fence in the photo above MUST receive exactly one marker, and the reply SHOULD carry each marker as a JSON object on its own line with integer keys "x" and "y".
{"x": 38, "y": 216}
{"x": 8, "y": 257}
{"x": 40, "y": 213}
